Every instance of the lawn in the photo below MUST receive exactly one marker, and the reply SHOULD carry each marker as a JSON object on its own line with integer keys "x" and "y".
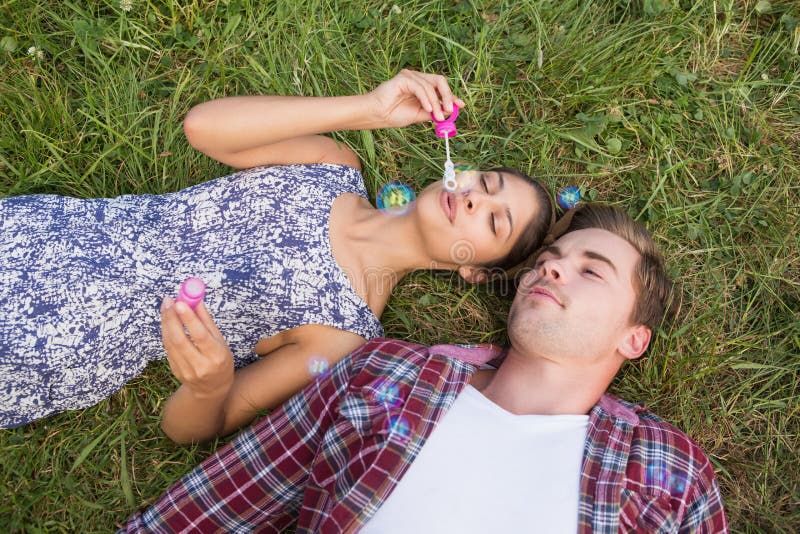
{"x": 685, "y": 113}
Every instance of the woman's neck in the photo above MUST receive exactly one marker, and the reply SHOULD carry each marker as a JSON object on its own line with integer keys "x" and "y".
{"x": 386, "y": 242}
{"x": 376, "y": 250}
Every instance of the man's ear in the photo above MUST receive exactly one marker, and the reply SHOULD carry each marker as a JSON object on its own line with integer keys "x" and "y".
{"x": 472, "y": 274}
{"x": 635, "y": 342}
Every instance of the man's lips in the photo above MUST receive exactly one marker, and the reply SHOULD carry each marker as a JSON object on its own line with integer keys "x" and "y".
{"x": 542, "y": 292}
{"x": 448, "y": 202}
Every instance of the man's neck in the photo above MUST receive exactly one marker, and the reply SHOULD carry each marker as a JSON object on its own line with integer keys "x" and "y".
{"x": 538, "y": 386}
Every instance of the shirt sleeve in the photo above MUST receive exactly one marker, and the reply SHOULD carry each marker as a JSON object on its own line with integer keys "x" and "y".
{"x": 258, "y": 479}
{"x": 704, "y": 511}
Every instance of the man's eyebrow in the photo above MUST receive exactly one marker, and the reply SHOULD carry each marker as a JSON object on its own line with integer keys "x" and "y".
{"x": 597, "y": 256}
{"x": 552, "y": 249}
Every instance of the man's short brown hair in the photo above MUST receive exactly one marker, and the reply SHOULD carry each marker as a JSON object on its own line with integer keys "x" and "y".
{"x": 654, "y": 298}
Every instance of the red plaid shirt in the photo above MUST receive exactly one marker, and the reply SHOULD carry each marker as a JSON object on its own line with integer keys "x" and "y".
{"x": 330, "y": 456}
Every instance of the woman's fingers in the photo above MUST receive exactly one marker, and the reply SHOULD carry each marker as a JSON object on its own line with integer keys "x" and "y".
{"x": 438, "y": 95}
{"x": 201, "y": 336}
{"x": 413, "y": 84}
{"x": 445, "y": 93}
{"x": 444, "y": 96}
{"x": 425, "y": 87}
{"x": 180, "y": 350}
{"x": 202, "y": 313}
{"x": 411, "y": 97}
{"x": 203, "y": 340}
{"x": 200, "y": 360}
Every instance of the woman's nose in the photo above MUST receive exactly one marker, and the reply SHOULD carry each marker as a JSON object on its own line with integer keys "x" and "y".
{"x": 474, "y": 200}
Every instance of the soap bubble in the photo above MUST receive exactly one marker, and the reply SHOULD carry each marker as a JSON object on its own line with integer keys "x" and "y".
{"x": 388, "y": 393}
{"x": 318, "y": 366}
{"x": 465, "y": 176}
{"x": 569, "y": 197}
{"x": 395, "y": 197}
{"x": 398, "y": 426}
{"x": 657, "y": 475}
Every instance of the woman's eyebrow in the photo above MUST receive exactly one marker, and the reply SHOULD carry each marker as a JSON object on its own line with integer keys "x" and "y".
{"x": 510, "y": 223}
{"x": 501, "y": 184}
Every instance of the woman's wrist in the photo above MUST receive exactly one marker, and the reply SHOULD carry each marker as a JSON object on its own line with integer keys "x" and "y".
{"x": 363, "y": 112}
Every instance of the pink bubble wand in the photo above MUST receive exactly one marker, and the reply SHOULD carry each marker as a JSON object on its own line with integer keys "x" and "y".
{"x": 446, "y": 129}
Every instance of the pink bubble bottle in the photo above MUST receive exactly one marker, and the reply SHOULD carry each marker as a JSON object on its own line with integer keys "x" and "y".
{"x": 192, "y": 291}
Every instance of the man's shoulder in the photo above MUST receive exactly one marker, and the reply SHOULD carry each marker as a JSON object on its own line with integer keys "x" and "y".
{"x": 663, "y": 461}
{"x": 659, "y": 446}
{"x": 383, "y": 355}
{"x": 391, "y": 349}
{"x": 649, "y": 427}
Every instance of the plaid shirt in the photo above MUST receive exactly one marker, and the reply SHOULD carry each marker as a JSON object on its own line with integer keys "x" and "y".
{"x": 330, "y": 456}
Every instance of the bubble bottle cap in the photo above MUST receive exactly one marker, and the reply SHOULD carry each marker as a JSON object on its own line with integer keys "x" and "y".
{"x": 192, "y": 291}
{"x": 446, "y": 128}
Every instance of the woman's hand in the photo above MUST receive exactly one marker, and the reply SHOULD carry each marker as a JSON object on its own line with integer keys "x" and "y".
{"x": 201, "y": 360}
{"x": 410, "y": 97}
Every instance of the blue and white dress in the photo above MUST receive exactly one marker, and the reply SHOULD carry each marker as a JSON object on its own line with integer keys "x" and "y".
{"x": 81, "y": 280}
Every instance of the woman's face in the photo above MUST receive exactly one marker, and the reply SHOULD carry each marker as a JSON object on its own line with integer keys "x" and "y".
{"x": 480, "y": 225}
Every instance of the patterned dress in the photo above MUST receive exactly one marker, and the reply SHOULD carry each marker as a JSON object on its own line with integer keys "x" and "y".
{"x": 81, "y": 281}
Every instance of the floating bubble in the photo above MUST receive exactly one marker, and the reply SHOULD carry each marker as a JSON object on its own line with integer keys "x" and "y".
{"x": 398, "y": 426}
{"x": 388, "y": 393}
{"x": 318, "y": 366}
{"x": 395, "y": 197}
{"x": 677, "y": 484}
{"x": 657, "y": 475}
{"x": 465, "y": 176}
{"x": 569, "y": 197}
{"x": 463, "y": 166}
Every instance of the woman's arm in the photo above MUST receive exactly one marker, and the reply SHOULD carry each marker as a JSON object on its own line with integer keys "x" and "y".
{"x": 247, "y": 131}
{"x": 213, "y": 400}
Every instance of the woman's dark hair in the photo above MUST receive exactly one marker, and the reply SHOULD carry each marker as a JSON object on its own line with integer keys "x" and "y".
{"x": 533, "y": 234}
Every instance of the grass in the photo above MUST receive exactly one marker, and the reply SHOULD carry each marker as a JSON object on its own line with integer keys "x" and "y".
{"x": 686, "y": 113}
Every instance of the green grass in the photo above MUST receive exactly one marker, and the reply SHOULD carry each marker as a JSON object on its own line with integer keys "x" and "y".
{"x": 687, "y": 116}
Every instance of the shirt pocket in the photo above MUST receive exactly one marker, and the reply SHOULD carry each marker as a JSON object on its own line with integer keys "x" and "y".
{"x": 646, "y": 512}
{"x": 350, "y": 444}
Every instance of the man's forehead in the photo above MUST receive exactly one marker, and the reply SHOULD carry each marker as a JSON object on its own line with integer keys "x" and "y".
{"x": 595, "y": 241}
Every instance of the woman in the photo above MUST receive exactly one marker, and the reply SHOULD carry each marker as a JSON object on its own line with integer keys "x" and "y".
{"x": 290, "y": 254}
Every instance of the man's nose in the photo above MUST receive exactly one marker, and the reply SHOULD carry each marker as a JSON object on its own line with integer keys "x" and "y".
{"x": 552, "y": 269}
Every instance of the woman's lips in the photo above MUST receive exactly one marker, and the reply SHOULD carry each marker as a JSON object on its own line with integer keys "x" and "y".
{"x": 448, "y": 202}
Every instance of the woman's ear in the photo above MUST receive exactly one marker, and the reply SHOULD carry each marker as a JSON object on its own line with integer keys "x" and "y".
{"x": 635, "y": 342}
{"x": 472, "y": 274}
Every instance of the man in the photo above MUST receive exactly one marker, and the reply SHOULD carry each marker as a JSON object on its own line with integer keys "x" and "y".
{"x": 404, "y": 438}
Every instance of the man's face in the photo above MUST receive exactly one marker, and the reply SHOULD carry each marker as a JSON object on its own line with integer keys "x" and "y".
{"x": 574, "y": 308}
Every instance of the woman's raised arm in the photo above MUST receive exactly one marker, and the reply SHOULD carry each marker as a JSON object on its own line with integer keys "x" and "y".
{"x": 247, "y": 131}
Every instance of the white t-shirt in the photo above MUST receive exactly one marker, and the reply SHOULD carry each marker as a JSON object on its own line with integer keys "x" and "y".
{"x": 486, "y": 470}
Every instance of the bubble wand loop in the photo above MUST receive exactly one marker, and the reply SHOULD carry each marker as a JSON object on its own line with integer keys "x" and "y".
{"x": 445, "y": 129}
